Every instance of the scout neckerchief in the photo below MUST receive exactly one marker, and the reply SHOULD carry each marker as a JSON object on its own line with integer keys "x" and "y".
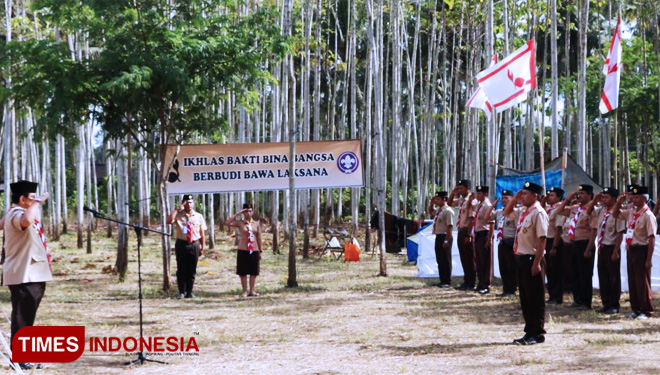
{"x": 550, "y": 208}
{"x": 633, "y": 222}
{"x": 42, "y": 236}
{"x": 189, "y": 228}
{"x": 520, "y": 222}
{"x": 500, "y": 227}
{"x": 250, "y": 237}
{"x": 603, "y": 226}
{"x": 476, "y": 217}
{"x": 435, "y": 219}
{"x": 576, "y": 217}
{"x": 460, "y": 210}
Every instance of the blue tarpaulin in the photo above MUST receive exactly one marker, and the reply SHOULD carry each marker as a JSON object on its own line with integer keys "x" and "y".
{"x": 515, "y": 182}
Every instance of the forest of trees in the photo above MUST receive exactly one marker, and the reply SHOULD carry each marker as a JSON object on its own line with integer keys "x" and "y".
{"x": 93, "y": 91}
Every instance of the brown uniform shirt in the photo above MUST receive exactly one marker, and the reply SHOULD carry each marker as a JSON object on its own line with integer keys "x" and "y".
{"x": 483, "y": 221}
{"x": 645, "y": 225}
{"x": 507, "y": 225}
{"x": 565, "y": 222}
{"x": 181, "y": 225}
{"x": 551, "y": 210}
{"x": 612, "y": 226}
{"x": 466, "y": 211}
{"x": 26, "y": 258}
{"x": 533, "y": 227}
{"x": 584, "y": 223}
{"x": 444, "y": 217}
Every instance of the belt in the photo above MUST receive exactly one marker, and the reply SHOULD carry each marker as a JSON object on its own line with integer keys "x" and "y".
{"x": 638, "y": 247}
{"x": 526, "y": 256}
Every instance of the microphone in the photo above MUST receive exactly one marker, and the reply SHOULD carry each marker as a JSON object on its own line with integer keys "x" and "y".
{"x": 94, "y": 212}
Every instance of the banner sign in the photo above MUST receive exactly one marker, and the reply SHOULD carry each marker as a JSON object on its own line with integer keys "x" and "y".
{"x": 263, "y": 166}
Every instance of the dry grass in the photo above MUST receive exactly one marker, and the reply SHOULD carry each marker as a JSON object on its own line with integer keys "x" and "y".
{"x": 343, "y": 319}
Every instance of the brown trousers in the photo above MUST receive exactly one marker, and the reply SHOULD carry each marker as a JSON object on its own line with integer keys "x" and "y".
{"x": 483, "y": 259}
{"x": 532, "y": 294}
{"x": 507, "y": 262}
{"x": 639, "y": 280}
{"x": 25, "y": 300}
{"x": 443, "y": 258}
{"x": 609, "y": 277}
{"x": 555, "y": 271}
{"x": 466, "y": 251}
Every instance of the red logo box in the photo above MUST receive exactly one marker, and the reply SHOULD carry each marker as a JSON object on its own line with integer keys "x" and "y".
{"x": 48, "y": 344}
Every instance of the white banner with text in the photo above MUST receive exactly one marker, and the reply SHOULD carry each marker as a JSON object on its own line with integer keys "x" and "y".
{"x": 216, "y": 168}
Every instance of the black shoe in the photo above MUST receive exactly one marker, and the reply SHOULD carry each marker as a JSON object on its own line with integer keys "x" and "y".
{"x": 190, "y": 295}
{"x": 506, "y": 294}
{"x": 521, "y": 340}
{"x": 602, "y": 309}
{"x": 483, "y": 291}
{"x": 611, "y": 310}
{"x": 551, "y": 302}
{"x": 30, "y": 366}
{"x": 576, "y": 305}
{"x": 465, "y": 287}
{"x": 530, "y": 340}
{"x": 180, "y": 296}
{"x": 445, "y": 285}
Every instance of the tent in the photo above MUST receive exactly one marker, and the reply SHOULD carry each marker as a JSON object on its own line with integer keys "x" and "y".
{"x": 413, "y": 241}
{"x": 574, "y": 175}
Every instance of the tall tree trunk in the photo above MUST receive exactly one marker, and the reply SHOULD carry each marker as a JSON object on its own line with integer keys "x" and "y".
{"x": 581, "y": 95}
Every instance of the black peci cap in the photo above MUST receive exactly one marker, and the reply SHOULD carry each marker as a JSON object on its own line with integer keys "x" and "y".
{"x": 631, "y": 187}
{"x": 247, "y": 205}
{"x": 586, "y": 188}
{"x": 441, "y": 194}
{"x": 187, "y": 197}
{"x": 559, "y": 191}
{"x": 534, "y": 188}
{"x": 23, "y": 187}
{"x": 466, "y": 183}
{"x": 482, "y": 189}
{"x": 611, "y": 191}
{"x": 639, "y": 190}
{"x": 507, "y": 192}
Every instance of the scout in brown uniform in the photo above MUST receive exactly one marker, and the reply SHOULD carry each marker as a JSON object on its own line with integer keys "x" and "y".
{"x": 506, "y": 235}
{"x": 442, "y": 228}
{"x": 582, "y": 236}
{"x": 249, "y": 251}
{"x": 27, "y": 260}
{"x": 466, "y": 204}
{"x": 483, "y": 251}
{"x": 609, "y": 234}
{"x": 640, "y": 239}
{"x": 532, "y": 229}
{"x": 189, "y": 226}
{"x": 553, "y": 258}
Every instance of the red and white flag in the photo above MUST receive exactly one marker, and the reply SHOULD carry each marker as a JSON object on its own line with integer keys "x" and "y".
{"x": 507, "y": 82}
{"x": 479, "y": 99}
{"x": 609, "y": 99}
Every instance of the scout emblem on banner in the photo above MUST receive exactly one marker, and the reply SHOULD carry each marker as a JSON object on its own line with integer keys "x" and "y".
{"x": 609, "y": 99}
{"x": 507, "y": 82}
{"x": 479, "y": 99}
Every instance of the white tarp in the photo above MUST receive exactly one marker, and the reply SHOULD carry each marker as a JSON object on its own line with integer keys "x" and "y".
{"x": 428, "y": 267}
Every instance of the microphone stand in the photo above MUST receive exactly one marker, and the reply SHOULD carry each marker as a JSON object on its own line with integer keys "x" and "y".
{"x": 141, "y": 357}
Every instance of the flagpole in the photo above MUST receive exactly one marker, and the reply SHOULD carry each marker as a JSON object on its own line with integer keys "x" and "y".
{"x": 616, "y": 149}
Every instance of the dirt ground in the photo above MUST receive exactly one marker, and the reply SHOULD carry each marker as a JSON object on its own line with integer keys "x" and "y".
{"x": 342, "y": 319}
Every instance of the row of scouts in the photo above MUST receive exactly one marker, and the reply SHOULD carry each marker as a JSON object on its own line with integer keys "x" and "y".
{"x": 544, "y": 235}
